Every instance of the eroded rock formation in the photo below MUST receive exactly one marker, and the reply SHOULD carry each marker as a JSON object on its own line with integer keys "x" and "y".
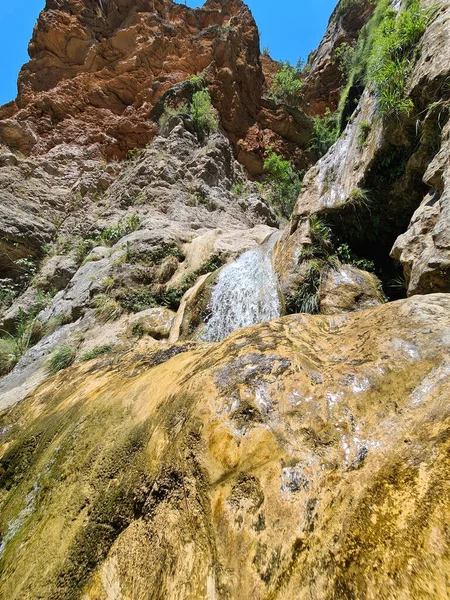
{"x": 282, "y": 463}
{"x": 98, "y": 69}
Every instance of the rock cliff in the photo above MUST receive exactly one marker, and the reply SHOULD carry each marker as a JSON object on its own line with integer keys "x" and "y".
{"x": 98, "y": 69}
{"x": 142, "y": 455}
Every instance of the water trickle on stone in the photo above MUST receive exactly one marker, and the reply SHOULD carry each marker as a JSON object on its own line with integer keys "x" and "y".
{"x": 246, "y": 293}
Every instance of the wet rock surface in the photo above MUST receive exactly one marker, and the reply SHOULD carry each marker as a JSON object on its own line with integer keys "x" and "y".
{"x": 284, "y": 462}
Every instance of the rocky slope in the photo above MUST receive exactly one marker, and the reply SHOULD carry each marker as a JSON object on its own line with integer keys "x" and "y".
{"x": 305, "y": 457}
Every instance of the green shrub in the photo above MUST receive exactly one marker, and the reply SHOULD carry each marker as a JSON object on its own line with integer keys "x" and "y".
{"x": 137, "y": 300}
{"x": 170, "y": 111}
{"x": 286, "y": 85}
{"x": 61, "y": 358}
{"x": 284, "y": 184}
{"x": 385, "y": 55}
{"x": 106, "y": 309}
{"x": 96, "y": 352}
{"x": 325, "y": 133}
{"x": 344, "y": 6}
{"x": 112, "y": 234}
{"x": 343, "y": 57}
{"x": 203, "y": 113}
{"x": 348, "y": 257}
{"x": 306, "y": 298}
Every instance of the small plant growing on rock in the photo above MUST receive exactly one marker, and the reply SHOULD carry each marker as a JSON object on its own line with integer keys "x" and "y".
{"x": 96, "y": 352}
{"x": 284, "y": 183}
{"x": 106, "y": 309}
{"x": 62, "y": 357}
{"x": 363, "y": 133}
{"x": 203, "y": 113}
{"x": 287, "y": 85}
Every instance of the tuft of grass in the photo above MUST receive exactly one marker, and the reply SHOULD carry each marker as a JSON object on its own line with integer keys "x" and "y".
{"x": 8, "y": 355}
{"x": 364, "y": 130}
{"x": 306, "y": 298}
{"x": 61, "y": 358}
{"x": 96, "y": 352}
{"x": 359, "y": 198}
{"x": 106, "y": 309}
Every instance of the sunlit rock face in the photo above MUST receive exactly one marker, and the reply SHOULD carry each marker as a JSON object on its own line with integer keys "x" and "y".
{"x": 301, "y": 458}
{"x": 98, "y": 70}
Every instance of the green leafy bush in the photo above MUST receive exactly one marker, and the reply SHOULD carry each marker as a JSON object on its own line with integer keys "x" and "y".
{"x": 283, "y": 182}
{"x": 112, "y": 234}
{"x": 203, "y": 113}
{"x": 287, "y": 85}
{"x": 137, "y": 300}
{"x": 200, "y": 109}
{"x": 343, "y": 57}
{"x": 325, "y": 133}
{"x": 62, "y": 357}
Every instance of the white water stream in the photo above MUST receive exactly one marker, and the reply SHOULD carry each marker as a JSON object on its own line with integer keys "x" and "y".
{"x": 246, "y": 293}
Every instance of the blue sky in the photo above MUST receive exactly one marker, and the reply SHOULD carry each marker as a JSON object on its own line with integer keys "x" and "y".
{"x": 289, "y": 28}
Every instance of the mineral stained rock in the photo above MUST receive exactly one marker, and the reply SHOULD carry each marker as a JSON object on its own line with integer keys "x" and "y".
{"x": 301, "y": 458}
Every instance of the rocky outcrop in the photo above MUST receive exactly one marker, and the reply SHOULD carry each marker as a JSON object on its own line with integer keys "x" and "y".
{"x": 378, "y": 174}
{"x": 325, "y": 76}
{"x": 292, "y": 457}
{"x": 98, "y": 69}
{"x": 170, "y": 216}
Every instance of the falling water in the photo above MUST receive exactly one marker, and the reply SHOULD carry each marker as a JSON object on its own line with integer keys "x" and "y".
{"x": 246, "y": 293}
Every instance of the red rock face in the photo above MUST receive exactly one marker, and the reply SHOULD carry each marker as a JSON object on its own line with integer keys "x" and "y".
{"x": 324, "y": 83}
{"x": 99, "y": 67}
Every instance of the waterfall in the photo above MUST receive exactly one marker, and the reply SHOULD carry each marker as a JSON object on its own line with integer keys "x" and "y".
{"x": 246, "y": 293}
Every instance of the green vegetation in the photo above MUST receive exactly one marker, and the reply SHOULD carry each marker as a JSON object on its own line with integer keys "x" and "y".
{"x": 106, "y": 309}
{"x": 363, "y": 133}
{"x": 395, "y": 47}
{"x": 172, "y": 296}
{"x": 137, "y": 300}
{"x": 283, "y": 183}
{"x": 325, "y": 133}
{"x": 325, "y": 252}
{"x": 24, "y": 269}
{"x": 287, "y": 85}
{"x": 60, "y": 359}
{"x": 27, "y": 332}
{"x": 96, "y": 352}
{"x": 112, "y": 234}
{"x": 200, "y": 109}
{"x": 344, "y": 6}
{"x": 203, "y": 113}
{"x": 385, "y": 55}
{"x": 306, "y": 297}
{"x": 81, "y": 247}
{"x": 343, "y": 57}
